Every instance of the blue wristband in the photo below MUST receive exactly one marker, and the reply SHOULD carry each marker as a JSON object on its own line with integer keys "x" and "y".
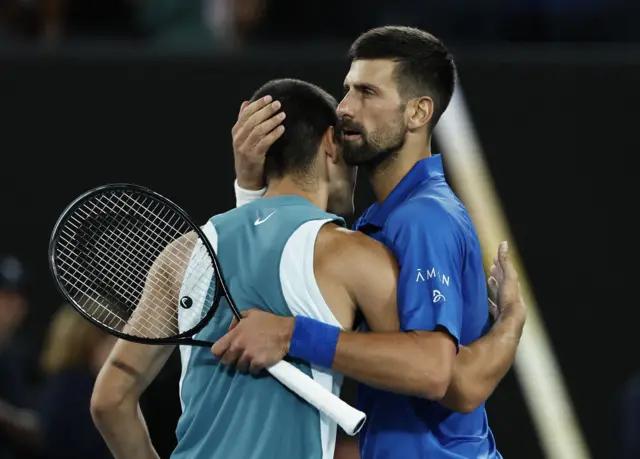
{"x": 314, "y": 341}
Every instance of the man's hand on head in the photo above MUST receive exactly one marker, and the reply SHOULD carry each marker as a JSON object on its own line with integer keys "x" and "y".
{"x": 253, "y": 134}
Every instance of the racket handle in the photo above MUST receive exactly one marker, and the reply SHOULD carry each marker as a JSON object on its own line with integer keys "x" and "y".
{"x": 350, "y": 419}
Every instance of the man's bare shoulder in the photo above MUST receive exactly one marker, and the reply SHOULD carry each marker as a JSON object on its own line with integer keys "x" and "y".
{"x": 365, "y": 269}
{"x": 335, "y": 244}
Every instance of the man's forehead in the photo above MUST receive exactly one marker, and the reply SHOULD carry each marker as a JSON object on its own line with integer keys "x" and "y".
{"x": 372, "y": 71}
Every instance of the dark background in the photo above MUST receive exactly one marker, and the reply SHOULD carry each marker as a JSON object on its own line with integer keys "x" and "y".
{"x": 558, "y": 126}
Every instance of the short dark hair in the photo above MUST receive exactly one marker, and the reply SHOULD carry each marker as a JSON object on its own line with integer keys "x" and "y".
{"x": 310, "y": 111}
{"x": 424, "y": 65}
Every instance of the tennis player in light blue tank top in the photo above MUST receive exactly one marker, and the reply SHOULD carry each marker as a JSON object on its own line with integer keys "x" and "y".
{"x": 227, "y": 414}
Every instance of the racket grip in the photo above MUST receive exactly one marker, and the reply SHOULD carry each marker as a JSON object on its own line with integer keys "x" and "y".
{"x": 350, "y": 419}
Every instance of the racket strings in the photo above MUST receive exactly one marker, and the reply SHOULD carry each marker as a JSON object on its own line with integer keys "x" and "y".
{"x": 124, "y": 278}
{"x": 128, "y": 241}
{"x": 106, "y": 254}
{"x": 134, "y": 241}
{"x": 105, "y": 313}
{"x": 178, "y": 244}
{"x": 101, "y": 311}
{"x": 179, "y": 231}
{"x": 124, "y": 286}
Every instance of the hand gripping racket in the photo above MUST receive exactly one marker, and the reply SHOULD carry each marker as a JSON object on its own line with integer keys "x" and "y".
{"x": 135, "y": 264}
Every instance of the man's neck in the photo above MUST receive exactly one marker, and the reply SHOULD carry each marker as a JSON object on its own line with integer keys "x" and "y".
{"x": 388, "y": 174}
{"x": 288, "y": 186}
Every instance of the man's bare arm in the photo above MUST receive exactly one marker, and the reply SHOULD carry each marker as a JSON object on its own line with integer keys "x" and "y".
{"x": 363, "y": 271}
{"x": 128, "y": 371}
{"x": 414, "y": 363}
{"x": 424, "y": 359}
{"x": 480, "y": 367}
{"x": 115, "y": 401}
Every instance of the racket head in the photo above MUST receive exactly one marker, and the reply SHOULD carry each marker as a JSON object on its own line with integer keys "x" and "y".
{"x": 111, "y": 252}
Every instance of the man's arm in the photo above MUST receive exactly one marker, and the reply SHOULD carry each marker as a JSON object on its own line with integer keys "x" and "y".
{"x": 430, "y": 300}
{"x": 421, "y": 362}
{"x": 416, "y": 363}
{"x": 408, "y": 363}
{"x": 363, "y": 270}
{"x": 115, "y": 402}
{"x": 128, "y": 371}
{"x": 412, "y": 363}
{"x": 480, "y": 367}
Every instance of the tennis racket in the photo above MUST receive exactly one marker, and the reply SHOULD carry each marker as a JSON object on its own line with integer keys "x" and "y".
{"x": 136, "y": 265}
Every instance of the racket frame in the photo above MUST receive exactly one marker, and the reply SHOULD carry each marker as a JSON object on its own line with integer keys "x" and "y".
{"x": 184, "y": 338}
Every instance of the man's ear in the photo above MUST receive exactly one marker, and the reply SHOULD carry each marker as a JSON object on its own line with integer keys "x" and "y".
{"x": 419, "y": 112}
{"x": 330, "y": 144}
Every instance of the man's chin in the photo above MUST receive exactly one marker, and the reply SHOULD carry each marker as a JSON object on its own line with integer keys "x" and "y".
{"x": 355, "y": 154}
{"x": 359, "y": 160}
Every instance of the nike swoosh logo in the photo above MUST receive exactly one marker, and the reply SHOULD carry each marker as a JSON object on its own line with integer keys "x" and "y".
{"x": 260, "y": 222}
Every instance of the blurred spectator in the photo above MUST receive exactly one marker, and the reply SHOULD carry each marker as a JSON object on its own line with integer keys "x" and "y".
{"x": 60, "y": 426}
{"x": 6, "y": 18}
{"x": 13, "y": 353}
{"x": 73, "y": 353}
{"x": 233, "y": 22}
{"x": 17, "y": 19}
{"x": 13, "y": 309}
{"x": 201, "y": 23}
